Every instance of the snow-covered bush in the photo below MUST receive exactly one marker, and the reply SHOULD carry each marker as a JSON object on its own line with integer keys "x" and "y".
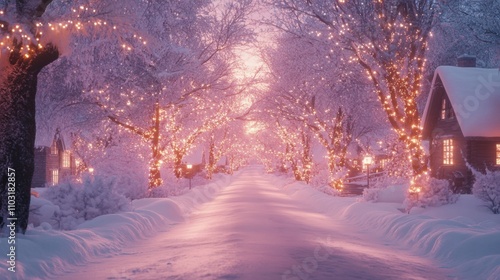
{"x": 128, "y": 174}
{"x": 78, "y": 202}
{"x": 487, "y": 188}
{"x": 41, "y": 211}
{"x": 386, "y": 189}
{"x": 436, "y": 192}
{"x": 427, "y": 191}
{"x": 320, "y": 177}
{"x": 320, "y": 181}
{"x": 394, "y": 193}
{"x": 370, "y": 194}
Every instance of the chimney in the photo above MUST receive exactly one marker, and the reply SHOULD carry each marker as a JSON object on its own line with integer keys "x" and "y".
{"x": 466, "y": 60}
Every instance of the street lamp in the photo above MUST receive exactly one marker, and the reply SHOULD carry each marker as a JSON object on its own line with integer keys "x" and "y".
{"x": 189, "y": 168}
{"x": 368, "y": 160}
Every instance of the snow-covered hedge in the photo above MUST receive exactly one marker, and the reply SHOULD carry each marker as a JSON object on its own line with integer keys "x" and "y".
{"x": 433, "y": 192}
{"x": 79, "y": 202}
{"x": 436, "y": 192}
{"x": 392, "y": 193}
{"x": 41, "y": 211}
{"x": 487, "y": 188}
{"x": 386, "y": 189}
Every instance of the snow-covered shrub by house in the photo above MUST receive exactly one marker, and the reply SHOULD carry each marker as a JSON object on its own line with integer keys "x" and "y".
{"x": 386, "y": 188}
{"x": 78, "y": 202}
{"x": 41, "y": 211}
{"x": 429, "y": 191}
{"x": 487, "y": 188}
{"x": 436, "y": 192}
{"x": 370, "y": 194}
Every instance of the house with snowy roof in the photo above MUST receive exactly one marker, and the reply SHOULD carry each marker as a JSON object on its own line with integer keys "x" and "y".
{"x": 53, "y": 164}
{"x": 461, "y": 122}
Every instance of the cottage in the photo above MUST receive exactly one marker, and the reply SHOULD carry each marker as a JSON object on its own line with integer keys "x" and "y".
{"x": 461, "y": 122}
{"x": 53, "y": 164}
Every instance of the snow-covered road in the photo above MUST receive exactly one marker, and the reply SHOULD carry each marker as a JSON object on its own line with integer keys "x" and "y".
{"x": 252, "y": 230}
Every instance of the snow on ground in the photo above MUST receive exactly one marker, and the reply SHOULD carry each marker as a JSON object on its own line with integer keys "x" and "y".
{"x": 464, "y": 236}
{"x": 268, "y": 227}
{"x": 253, "y": 230}
{"x": 43, "y": 251}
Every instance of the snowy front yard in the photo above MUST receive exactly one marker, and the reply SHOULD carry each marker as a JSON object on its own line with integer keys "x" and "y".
{"x": 259, "y": 226}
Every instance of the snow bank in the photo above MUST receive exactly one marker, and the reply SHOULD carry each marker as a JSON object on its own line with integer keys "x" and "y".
{"x": 464, "y": 236}
{"x": 43, "y": 252}
{"x": 391, "y": 193}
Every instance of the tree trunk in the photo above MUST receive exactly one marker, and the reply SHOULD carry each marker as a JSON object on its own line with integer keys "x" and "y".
{"x": 18, "y": 127}
{"x": 211, "y": 159}
{"x": 178, "y": 164}
{"x": 331, "y": 166}
{"x": 154, "y": 173}
{"x": 306, "y": 157}
{"x": 295, "y": 170}
{"x": 154, "y": 166}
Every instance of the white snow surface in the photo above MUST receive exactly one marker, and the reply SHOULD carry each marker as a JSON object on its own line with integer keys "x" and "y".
{"x": 44, "y": 252}
{"x": 259, "y": 226}
{"x": 475, "y": 96}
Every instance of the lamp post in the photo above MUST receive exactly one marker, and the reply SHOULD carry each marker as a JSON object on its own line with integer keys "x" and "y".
{"x": 189, "y": 168}
{"x": 368, "y": 160}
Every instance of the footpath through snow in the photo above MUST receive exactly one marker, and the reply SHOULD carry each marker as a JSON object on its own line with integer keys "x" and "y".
{"x": 253, "y": 230}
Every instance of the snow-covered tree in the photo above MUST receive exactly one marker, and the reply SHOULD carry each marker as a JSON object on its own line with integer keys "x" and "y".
{"x": 33, "y": 35}
{"x": 326, "y": 97}
{"x": 388, "y": 39}
{"x": 463, "y": 27}
{"x": 21, "y": 59}
{"x": 480, "y": 19}
{"x": 106, "y": 46}
{"x": 486, "y": 187}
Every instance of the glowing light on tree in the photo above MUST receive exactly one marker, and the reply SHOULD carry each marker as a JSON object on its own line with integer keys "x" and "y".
{"x": 388, "y": 39}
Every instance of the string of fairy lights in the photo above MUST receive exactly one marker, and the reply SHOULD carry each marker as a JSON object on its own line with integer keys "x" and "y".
{"x": 173, "y": 138}
{"x": 33, "y": 38}
{"x": 391, "y": 51}
{"x": 394, "y": 61}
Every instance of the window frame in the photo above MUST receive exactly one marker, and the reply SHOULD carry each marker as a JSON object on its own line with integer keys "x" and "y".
{"x": 54, "y": 173}
{"x": 446, "y": 110}
{"x": 53, "y": 149}
{"x": 66, "y": 159}
{"x": 448, "y": 152}
{"x": 443, "y": 109}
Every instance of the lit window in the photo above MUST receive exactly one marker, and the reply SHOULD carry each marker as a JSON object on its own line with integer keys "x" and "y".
{"x": 66, "y": 159}
{"x": 446, "y": 111}
{"x": 498, "y": 154}
{"x": 55, "y": 177}
{"x": 383, "y": 163}
{"x": 448, "y": 152}
{"x": 53, "y": 148}
{"x": 443, "y": 109}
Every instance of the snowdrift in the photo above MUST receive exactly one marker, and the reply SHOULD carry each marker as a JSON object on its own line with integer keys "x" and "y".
{"x": 44, "y": 252}
{"x": 464, "y": 236}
